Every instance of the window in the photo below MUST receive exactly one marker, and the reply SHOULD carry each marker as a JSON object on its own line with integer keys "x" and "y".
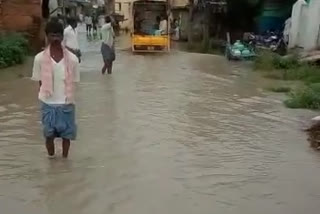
{"x": 118, "y": 7}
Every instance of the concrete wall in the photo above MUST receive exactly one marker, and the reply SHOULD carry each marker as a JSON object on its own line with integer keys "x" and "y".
{"x": 124, "y": 7}
{"x": 305, "y": 27}
{"x": 179, "y": 3}
{"x": 313, "y": 25}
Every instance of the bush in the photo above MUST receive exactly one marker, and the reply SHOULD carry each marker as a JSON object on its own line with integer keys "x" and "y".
{"x": 13, "y": 49}
{"x": 315, "y": 87}
{"x": 285, "y": 62}
{"x": 289, "y": 68}
{"x": 305, "y": 97}
{"x": 306, "y": 73}
{"x": 264, "y": 61}
{"x": 268, "y": 61}
{"x": 309, "y": 95}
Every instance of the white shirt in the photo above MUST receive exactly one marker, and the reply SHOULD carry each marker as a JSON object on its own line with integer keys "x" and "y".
{"x": 88, "y": 20}
{"x": 58, "y": 96}
{"x": 101, "y": 21}
{"x": 81, "y": 17}
{"x": 107, "y": 34}
{"x": 71, "y": 38}
{"x": 163, "y": 26}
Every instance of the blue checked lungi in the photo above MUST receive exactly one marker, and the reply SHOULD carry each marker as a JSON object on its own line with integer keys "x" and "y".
{"x": 59, "y": 121}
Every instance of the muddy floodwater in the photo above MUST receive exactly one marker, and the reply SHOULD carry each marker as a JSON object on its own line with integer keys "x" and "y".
{"x": 177, "y": 133}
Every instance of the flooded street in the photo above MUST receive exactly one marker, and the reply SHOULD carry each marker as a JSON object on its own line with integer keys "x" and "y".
{"x": 177, "y": 133}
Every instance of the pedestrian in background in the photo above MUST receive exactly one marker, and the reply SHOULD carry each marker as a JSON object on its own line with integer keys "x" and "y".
{"x": 56, "y": 69}
{"x": 81, "y": 18}
{"x": 163, "y": 25}
{"x": 88, "y": 22}
{"x": 95, "y": 24}
{"x": 101, "y": 22}
{"x": 107, "y": 47}
{"x": 70, "y": 40}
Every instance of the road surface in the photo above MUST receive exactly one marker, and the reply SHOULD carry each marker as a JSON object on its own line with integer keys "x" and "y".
{"x": 177, "y": 133}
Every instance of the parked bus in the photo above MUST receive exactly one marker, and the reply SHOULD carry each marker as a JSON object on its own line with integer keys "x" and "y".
{"x": 150, "y": 26}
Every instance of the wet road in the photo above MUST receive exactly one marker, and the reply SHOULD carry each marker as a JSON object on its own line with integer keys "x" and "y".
{"x": 178, "y": 134}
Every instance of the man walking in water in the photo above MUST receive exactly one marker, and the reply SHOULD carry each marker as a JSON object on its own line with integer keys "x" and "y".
{"x": 70, "y": 40}
{"x": 56, "y": 69}
{"x": 88, "y": 22}
{"x": 107, "y": 47}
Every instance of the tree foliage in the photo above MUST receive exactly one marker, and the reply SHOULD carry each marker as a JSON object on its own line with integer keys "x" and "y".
{"x": 13, "y": 49}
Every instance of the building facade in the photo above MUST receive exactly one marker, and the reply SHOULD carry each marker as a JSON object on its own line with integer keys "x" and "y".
{"x": 305, "y": 25}
{"x": 124, "y": 8}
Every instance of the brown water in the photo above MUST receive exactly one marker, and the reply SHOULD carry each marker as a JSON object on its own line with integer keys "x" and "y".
{"x": 177, "y": 133}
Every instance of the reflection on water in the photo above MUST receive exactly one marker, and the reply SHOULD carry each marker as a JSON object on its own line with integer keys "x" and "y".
{"x": 176, "y": 133}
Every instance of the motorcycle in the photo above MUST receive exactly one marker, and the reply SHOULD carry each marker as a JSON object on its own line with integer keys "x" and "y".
{"x": 280, "y": 47}
{"x": 273, "y": 41}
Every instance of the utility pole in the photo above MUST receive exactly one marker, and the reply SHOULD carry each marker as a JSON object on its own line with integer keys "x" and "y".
{"x": 63, "y": 8}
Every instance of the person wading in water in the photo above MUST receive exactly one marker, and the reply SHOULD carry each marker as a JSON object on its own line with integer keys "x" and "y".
{"x": 107, "y": 47}
{"x": 56, "y": 69}
{"x": 70, "y": 40}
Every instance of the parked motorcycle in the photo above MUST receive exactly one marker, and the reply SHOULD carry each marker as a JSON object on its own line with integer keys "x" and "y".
{"x": 273, "y": 41}
{"x": 280, "y": 47}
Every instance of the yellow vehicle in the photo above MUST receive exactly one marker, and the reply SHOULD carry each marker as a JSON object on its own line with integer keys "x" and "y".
{"x": 150, "y": 27}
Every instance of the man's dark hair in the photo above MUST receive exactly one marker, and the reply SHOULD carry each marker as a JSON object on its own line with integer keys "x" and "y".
{"x": 108, "y": 19}
{"x": 53, "y": 26}
{"x": 71, "y": 21}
